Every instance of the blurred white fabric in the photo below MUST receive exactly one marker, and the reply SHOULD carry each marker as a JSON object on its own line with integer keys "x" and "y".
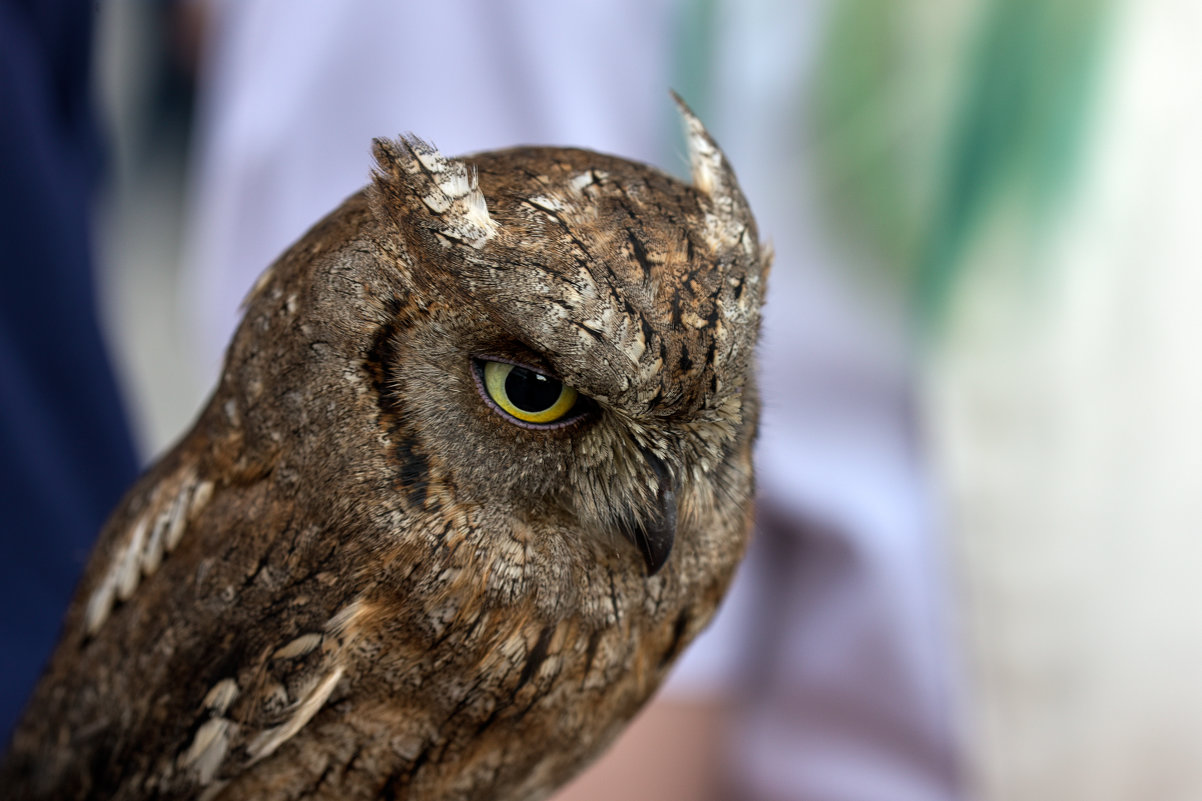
{"x": 849, "y": 696}
{"x": 1070, "y": 439}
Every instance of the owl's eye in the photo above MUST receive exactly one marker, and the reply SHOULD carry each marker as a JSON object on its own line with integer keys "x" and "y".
{"x": 527, "y": 396}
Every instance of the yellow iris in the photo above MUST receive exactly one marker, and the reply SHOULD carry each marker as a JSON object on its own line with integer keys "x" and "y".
{"x": 526, "y": 395}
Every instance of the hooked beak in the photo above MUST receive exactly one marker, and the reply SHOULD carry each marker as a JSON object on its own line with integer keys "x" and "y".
{"x": 654, "y": 536}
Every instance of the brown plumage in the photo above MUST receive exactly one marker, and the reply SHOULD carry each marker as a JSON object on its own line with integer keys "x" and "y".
{"x": 358, "y": 576}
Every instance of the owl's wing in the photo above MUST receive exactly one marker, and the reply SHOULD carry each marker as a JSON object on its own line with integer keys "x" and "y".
{"x": 150, "y": 528}
{"x": 210, "y": 627}
{"x": 245, "y": 718}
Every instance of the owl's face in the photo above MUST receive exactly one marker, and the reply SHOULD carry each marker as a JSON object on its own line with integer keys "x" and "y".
{"x": 579, "y": 361}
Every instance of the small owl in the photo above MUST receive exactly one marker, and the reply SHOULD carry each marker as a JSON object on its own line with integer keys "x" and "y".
{"x": 477, "y": 469}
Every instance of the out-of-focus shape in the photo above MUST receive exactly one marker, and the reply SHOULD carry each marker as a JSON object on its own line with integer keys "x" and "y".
{"x": 1064, "y": 402}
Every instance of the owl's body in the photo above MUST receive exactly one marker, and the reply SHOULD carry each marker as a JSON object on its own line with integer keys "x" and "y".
{"x": 357, "y": 576}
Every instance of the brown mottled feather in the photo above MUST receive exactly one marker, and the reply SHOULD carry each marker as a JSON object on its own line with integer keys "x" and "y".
{"x": 355, "y": 579}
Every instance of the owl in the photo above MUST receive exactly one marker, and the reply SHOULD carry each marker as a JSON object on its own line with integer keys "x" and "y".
{"x": 477, "y": 468}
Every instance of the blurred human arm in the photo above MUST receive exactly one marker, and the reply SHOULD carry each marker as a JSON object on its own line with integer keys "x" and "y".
{"x": 672, "y": 752}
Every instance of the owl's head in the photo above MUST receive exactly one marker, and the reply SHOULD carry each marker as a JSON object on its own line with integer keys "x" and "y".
{"x": 574, "y": 340}
{"x": 560, "y": 350}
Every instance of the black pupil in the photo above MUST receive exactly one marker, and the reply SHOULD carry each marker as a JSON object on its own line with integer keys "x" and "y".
{"x": 531, "y": 391}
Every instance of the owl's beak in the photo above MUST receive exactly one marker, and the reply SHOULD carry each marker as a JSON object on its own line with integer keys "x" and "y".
{"x": 654, "y": 534}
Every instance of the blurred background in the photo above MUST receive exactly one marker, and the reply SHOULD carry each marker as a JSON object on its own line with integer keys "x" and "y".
{"x": 981, "y": 456}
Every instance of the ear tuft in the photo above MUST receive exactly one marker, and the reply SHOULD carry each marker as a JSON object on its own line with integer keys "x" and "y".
{"x": 713, "y": 177}
{"x": 413, "y": 174}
